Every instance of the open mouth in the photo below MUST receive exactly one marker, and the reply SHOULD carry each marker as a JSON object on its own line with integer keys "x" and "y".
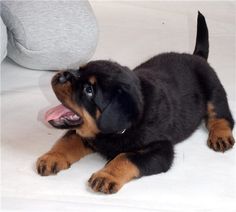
{"x": 62, "y": 117}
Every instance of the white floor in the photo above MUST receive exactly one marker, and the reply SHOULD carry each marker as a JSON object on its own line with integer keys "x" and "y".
{"x": 130, "y": 32}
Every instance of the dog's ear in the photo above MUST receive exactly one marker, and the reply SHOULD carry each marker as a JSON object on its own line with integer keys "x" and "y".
{"x": 119, "y": 113}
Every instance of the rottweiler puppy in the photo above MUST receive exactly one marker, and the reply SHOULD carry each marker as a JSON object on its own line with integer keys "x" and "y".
{"x": 134, "y": 118}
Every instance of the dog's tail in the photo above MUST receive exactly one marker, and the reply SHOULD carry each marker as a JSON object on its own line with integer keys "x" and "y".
{"x": 202, "y": 42}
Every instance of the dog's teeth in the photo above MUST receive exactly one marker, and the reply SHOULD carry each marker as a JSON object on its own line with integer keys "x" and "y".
{"x": 71, "y": 117}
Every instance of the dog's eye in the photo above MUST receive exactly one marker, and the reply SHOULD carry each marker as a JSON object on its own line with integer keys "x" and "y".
{"x": 88, "y": 90}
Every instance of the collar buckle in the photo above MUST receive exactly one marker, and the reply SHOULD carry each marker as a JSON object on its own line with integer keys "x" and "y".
{"x": 121, "y": 132}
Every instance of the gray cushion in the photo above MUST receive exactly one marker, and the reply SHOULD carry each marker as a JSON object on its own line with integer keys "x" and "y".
{"x": 50, "y": 35}
{"x": 3, "y": 41}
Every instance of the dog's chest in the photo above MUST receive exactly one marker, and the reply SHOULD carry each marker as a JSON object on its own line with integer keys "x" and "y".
{"x": 111, "y": 146}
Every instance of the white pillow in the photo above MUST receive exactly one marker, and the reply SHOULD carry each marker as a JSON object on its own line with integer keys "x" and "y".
{"x": 50, "y": 35}
{"x": 3, "y": 41}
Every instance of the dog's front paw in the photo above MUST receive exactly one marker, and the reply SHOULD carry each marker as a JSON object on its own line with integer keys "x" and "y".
{"x": 51, "y": 163}
{"x": 104, "y": 182}
{"x": 221, "y": 140}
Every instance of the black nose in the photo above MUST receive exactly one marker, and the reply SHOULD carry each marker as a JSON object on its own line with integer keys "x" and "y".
{"x": 64, "y": 77}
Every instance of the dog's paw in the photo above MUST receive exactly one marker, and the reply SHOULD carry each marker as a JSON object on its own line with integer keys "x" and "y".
{"x": 104, "y": 182}
{"x": 221, "y": 140}
{"x": 51, "y": 163}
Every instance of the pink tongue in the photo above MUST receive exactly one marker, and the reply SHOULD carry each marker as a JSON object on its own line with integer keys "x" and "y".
{"x": 56, "y": 112}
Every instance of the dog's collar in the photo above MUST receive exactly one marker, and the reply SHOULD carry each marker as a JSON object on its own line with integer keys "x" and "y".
{"x": 122, "y": 131}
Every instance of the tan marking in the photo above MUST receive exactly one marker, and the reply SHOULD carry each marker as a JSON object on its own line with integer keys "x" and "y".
{"x": 211, "y": 110}
{"x": 92, "y": 80}
{"x": 220, "y": 133}
{"x": 66, "y": 151}
{"x": 98, "y": 114}
{"x": 114, "y": 175}
{"x": 218, "y": 124}
{"x": 72, "y": 146}
{"x": 89, "y": 127}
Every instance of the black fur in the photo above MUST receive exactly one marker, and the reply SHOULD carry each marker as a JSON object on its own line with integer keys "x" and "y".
{"x": 160, "y": 103}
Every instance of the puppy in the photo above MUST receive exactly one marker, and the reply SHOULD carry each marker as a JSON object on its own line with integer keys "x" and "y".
{"x": 134, "y": 118}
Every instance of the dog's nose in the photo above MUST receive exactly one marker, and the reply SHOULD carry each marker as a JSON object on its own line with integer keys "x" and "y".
{"x": 64, "y": 77}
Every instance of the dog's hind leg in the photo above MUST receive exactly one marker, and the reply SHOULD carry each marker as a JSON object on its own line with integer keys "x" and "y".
{"x": 219, "y": 126}
{"x": 219, "y": 120}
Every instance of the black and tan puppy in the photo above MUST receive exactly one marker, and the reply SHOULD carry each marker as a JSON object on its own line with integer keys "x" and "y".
{"x": 134, "y": 118}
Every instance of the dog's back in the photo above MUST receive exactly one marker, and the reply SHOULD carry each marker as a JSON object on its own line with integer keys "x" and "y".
{"x": 176, "y": 93}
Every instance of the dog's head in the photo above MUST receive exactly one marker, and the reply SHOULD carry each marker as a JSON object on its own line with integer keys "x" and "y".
{"x": 101, "y": 97}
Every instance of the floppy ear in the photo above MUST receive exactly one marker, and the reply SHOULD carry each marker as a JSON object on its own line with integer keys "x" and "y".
{"x": 119, "y": 113}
